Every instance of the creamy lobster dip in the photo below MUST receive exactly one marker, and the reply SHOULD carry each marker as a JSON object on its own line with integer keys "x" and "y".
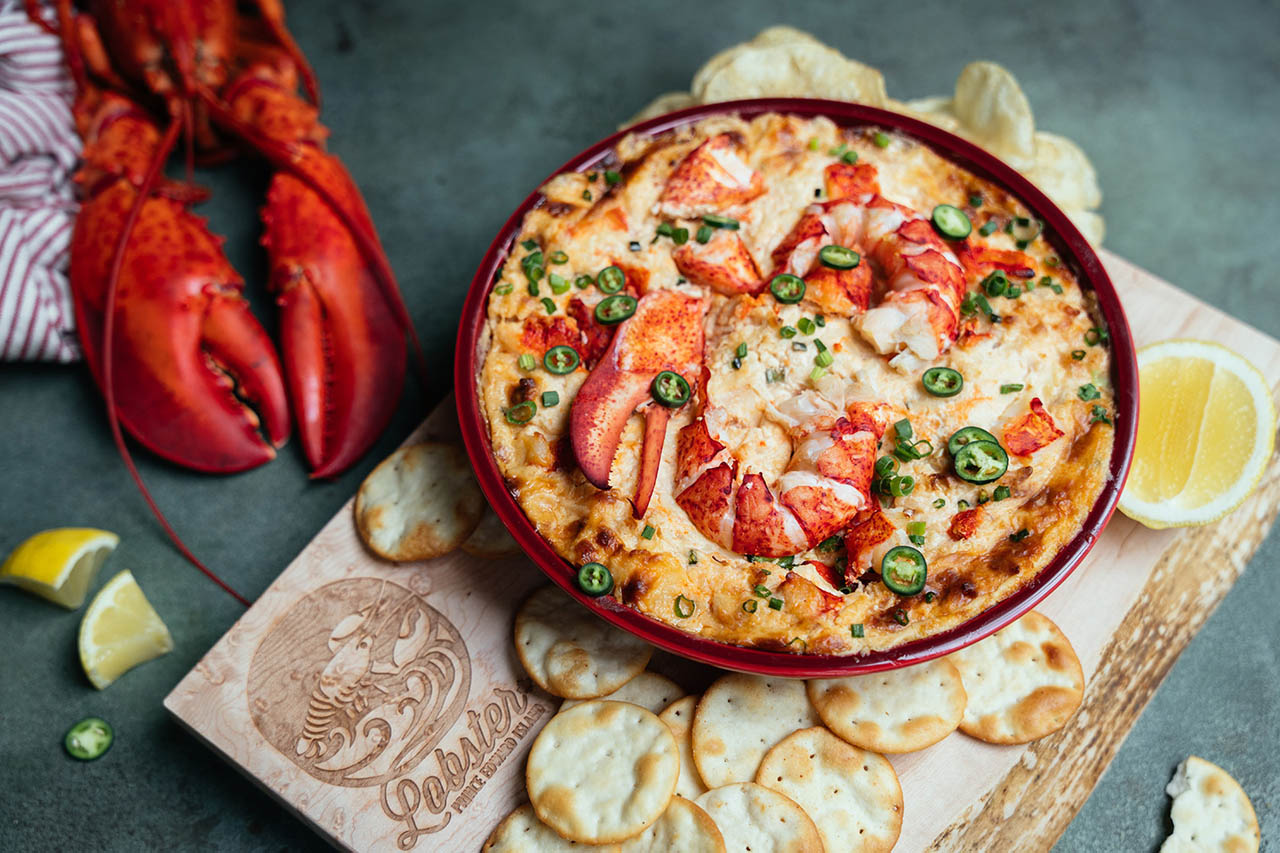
{"x": 795, "y": 386}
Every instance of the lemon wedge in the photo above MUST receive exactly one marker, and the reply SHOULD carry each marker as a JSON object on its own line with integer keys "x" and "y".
{"x": 119, "y": 631}
{"x": 1206, "y": 429}
{"x": 58, "y": 565}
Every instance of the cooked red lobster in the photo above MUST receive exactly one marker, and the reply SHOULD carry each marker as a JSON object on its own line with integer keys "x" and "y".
{"x": 184, "y": 365}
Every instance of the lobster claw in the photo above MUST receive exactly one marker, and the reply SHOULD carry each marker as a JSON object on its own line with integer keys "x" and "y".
{"x": 190, "y": 362}
{"x": 665, "y": 333}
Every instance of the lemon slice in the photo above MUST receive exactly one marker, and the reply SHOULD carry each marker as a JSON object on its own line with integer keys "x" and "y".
{"x": 59, "y": 564}
{"x": 119, "y": 631}
{"x": 1206, "y": 428}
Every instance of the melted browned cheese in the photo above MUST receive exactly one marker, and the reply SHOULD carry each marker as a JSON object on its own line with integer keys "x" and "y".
{"x": 1052, "y": 490}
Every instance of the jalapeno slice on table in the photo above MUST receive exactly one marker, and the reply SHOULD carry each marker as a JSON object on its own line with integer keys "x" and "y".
{"x": 611, "y": 279}
{"x": 942, "y": 381}
{"x": 981, "y": 462}
{"x": 670, "y": 389}
{"x": 89, "y": 739}
{"x": 838, "y": 257}
{"x": 904, "y": 570}
{"x": 594, "y": 579}
{"x": 615, "y": 309}
{"x": 951, "y": 222}
{"x": 561, "y": 360}
{"x": 964, "y": 435}
{"x": 787, "y": 288}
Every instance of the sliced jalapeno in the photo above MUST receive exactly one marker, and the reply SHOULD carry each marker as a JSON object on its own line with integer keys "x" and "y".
{"x": 942, "y": 381}
{"x": 615, "y": 309}
{"x": 89, "y": 739}
{"x": 951, "y": 222}
{"x": 838, "y": 257}
{"x": 904, "y": 570}
{"x": 561, "y": 360}
{"x": 964, "y": 435}
{"x": 787, "y": 288}
{"x": 670, "y": 389}
{"x": 981, "y": 462}
{"x": 594, "y": 579}
{"x": 611, "y": 279}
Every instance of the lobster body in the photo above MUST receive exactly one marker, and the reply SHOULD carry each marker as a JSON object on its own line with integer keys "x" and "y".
{"x": 190, "y": 372}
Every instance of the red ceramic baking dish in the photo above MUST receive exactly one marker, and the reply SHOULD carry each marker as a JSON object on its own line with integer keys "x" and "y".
{"x": 1070, "y": 245}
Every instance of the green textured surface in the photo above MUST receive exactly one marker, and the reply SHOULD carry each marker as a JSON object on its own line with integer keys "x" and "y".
{"x": 448, "y": 114}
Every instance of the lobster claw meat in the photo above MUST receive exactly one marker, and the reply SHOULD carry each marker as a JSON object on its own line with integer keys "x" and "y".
{"x": 711, "y": 177}
{"x": 190, "y": 362}
{"x": 665, "y": 333}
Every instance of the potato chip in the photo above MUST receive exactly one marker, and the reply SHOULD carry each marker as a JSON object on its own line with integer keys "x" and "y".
{"x": 420, "y": 502}
{"x": 993, "y": 109}
{"x": 1063, "y": 172}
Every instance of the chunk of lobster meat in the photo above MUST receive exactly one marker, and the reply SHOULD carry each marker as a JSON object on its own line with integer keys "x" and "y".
{"x": 1028, "y": 433}
{"x": 541, "y": 333}
{"x": 191, "y": 364}
{"x": 799, "y": 249}
{"x": 870, "y": 531}
{"x": 851, "y": 180}
{"x": 980, "y": 260}
{"x": 828, "y": 480}
{"x": 665, "y": 333}
{"x": 842, "y": 293}
{"x": 594, "y": 335}
{"x": 723, "y": 264}
{"x": 712, "y": 177}
{"x": 807, "y": 594}
{"x": 762, "y": 526}
{"x": 965, "y": 523}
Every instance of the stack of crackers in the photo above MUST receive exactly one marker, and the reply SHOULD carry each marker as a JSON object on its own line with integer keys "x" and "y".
{"x": 632, "y": 764}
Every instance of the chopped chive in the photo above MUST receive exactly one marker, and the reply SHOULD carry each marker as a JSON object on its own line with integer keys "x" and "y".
{"x": 549, "y": 304}
{"x": 1089, "y": 392}
{"x": 813, "y": 143}
{"x": 988, "y": 228}
{"x": 856, "y": 630}
{"x": 550, "y": 398}
{"x": 611, "y": 177}
{"x": 648, "y": 532}
{"x": 1011, "y": 388}
{"x": 559, "y": 284}
{"x": 502, "y": 289}
{"x": 704, "y": 234}
{"x": 693, "y": 557}
{"x": 819, "y": 345}
{"x": 684, "y": 607}
{"x": 750, "y": 605}
{"x": 787, "y": 332}
{"x": 881, "y": 139}
{"x": 817, "y": 373}
{"x": 774, "y": 375}
{"x": 526, "y": 361}
{"x": 775, "y": 604}
{"x": 939, "y": 503}
{"x": 824, "y": 359}
{"x": 975, "y": 200}
{"x": 806, "y": 326}
{"x": 1001, "y": 493}
{"x": 741, "y": 351}
{"x": 1020, "y": 535}
{"x": 762, "y": 590}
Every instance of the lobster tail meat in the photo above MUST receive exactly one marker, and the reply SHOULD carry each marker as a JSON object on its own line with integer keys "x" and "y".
{"x": 665, "y": 333}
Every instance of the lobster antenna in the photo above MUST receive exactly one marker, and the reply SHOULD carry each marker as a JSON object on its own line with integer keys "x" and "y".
{"x": 286, "y": 157}
{"x": 108, "y": 335}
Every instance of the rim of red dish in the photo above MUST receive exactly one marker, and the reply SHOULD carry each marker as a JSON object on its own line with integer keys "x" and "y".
{"x": 1072, "y": 248}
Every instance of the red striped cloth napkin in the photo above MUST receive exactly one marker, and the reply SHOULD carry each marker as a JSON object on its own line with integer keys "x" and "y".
{"x": 39, "y": 150}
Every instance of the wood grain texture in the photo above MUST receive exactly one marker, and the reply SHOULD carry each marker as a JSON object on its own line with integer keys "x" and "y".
{"x": 278, "y": 695}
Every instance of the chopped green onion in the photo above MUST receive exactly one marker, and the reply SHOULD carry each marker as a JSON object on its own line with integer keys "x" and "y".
{"x": 583, "y": 281}
{"x": 831, "y": 543}
{"x": 559, "y": 284}
{"x": 881, "y": 140}
{"x": 704, "y": 234}
{"x": 533, "y": 288}
{"x": 502, "y": 289}
{"x": 939, "y": 503}
{"x": 900, "y": 616}
{"x": 591, "y": 176}
{"x": 983, "y": 497}
{"x": 558, "y": 257}
{"x": 525, "y": 361}
{"x": 750, "y": 605}
{"x": 804, "y": 647}
{"x": 521, "y": 413}
{"x": 839, "y": 150}
{"x": 805, "y": 326}
{"x": 1089, "y": 392}
{"x": 856, "y": 630}
{"x": 530, "y": 245}
{"x": 775, "y": 604}
{"x": 813, "y": 143}
{"x": 648, "y": 532}
{"x": 930, "y": 596}
{"x": 849, "y": 157}
{"x": 1013, "y": 292}
{"x": 1011, "y": 388}
{"x": 824, "y": 359}
{"x": 741, "y": 351}
{"x": 819, "y": 345}
{"x": 988, "y": 228}
{"x": 693, "y": 557}
{"x": 819, "y": 320}
{"x": 962, "y": 504}
{"x": 762, "y": 590}
{"x": 634, "y": 246}
{"x": 774, "y": 375}
{"x": 550, "y": 398}
{"x": 1051, "y": 261}
{"x": 915, "y": 532}
{"x": 1078, "y": 354}
{"x": 680, "y": 236}
{"x": 1020, "y": 535}
{"x": 787, "y": 332}
{"x": 1099, "y": 415}
{"x": 996, "y": 284}
{"x": 549, "y": 304}
{"x": 1096, "y": 335}
{"x": 975, "y": 200}
{"x": 799, "y": 346}
{"x": 666, "y": 229}
{"x": 586, "y": 195}
{"x": 717, "y": 221}
{"x": 817, "y": 373}
{"x": 885, "y": 466}
{"x": 902, "y": 429}
{"x": 1000, "y": 493}
{"x": 611, "y": 177}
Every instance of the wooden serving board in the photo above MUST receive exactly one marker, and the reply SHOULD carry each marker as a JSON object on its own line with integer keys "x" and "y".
{"x": 420, "y": 657}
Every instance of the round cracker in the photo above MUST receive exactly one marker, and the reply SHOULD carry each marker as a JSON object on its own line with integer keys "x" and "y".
{"x": 649, "y": 690}
{"x": 899, "y": 710}
{"x": 683, "y": 827}
{"x": 491, "y": 539}
{"x": 852, "y": 795}
{"x": 522, "y": 832}
{"x": 754, "y": 818}
{"x": 602, "y": 771}
{"x": 1210, "y": 811}
{"x": 1023, "y": 682}
{"x": 420, "y": 502}
{"x": 739, "y": 718}
{"x": 571, "y": 653}
{"x": 679, "y": 718}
